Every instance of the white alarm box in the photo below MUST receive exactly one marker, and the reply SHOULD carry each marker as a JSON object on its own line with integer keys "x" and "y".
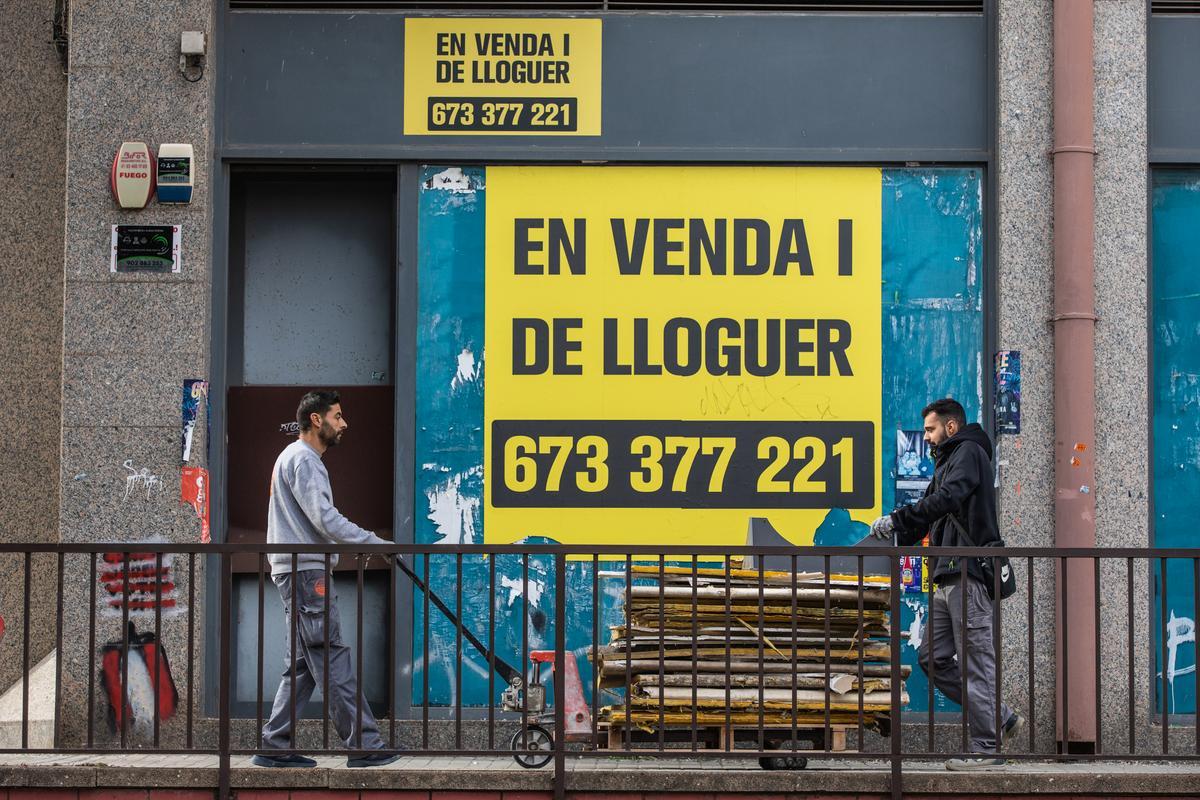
{"x": 176, "y": 173}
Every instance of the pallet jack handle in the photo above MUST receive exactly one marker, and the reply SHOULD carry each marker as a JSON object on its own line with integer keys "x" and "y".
{"x": 505, "y": 670}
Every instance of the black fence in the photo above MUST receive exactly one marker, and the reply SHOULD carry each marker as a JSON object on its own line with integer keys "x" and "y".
{"x": 771, "y": 654}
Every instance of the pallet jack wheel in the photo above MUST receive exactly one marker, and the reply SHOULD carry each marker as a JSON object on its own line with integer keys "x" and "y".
{"x": 532, "y": 746}
{"x": 782, "y": 762}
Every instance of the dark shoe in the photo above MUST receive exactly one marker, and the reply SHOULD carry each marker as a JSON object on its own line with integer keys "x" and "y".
{"x": 972, "y": 764}
{"x": 1012, "y": 726}
{"x": 283, "y": 760}
{"x": 373, "y": 760}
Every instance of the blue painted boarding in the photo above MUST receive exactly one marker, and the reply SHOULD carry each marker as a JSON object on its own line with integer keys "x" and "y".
{"x": 1175, "y": 306}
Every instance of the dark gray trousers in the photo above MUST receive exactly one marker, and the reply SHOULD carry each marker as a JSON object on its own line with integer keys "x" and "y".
{"x": 347, "y": 705}
{"x": 951, "y": 644}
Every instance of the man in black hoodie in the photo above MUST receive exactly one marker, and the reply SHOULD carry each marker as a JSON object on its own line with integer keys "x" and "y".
{"x": 958, "y": 510}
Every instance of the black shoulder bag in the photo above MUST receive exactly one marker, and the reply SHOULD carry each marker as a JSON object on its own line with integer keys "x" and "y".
{"x": 989, "y": 564}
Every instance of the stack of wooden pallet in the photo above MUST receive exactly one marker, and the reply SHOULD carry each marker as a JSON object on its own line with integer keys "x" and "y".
{"x": 734, "y": 647}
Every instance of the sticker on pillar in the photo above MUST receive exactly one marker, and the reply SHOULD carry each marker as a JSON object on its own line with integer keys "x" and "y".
{"x": 145, "y": 248}
{"x": 1008, "y": 391}
{"x": 195, "y": 397}
{"x": 193, "y": 491}
{"x": 673, "y": 350}
{"x": 502, "y": 76}
{"x": 133, "y": 173}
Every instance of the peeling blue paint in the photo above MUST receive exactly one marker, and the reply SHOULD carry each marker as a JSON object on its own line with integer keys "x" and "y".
{"x": 932, "y": 297}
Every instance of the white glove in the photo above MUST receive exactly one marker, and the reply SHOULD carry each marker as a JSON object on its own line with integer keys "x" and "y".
{"x": 882, "y": 528}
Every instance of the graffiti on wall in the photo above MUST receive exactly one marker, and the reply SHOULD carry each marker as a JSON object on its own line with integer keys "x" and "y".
{"x": 138, "y": 581}
{"x": 1180, "y": 631}
{"x": 139, "y": 480}
{"x": 132, "y": 704}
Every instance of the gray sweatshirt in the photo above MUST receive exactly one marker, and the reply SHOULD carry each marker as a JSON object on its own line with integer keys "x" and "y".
{"x": 301, "y": 511}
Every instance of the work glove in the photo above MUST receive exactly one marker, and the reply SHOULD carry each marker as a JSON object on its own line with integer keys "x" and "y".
{"x": 882, "y": 528}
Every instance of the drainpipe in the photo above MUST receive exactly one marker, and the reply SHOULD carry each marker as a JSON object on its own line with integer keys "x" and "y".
{"x": 1074, "y": 372}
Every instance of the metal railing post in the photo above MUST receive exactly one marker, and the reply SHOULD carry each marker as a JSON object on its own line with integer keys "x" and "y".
{"x": 895, "y": 728}
{"x": 560, "y": 681}
{"x": 225, "y": 673}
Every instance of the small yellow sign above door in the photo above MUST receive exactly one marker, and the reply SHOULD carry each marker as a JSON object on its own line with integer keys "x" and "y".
{"x": 502, "y": 77}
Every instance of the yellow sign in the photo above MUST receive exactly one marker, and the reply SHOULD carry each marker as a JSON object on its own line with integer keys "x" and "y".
{"x": 496, "y": 76}
{"x": 672, "y": 350}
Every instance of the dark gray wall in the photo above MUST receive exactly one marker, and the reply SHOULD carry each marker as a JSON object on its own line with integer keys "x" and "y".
{"x": 1173, "y": 53}
{"x": 318, "y": 268}
{"x": 886, "y": 87}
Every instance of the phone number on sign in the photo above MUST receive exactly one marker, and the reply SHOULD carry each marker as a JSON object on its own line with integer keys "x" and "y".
{"x": 499, "y": 114}
{"x": 672, "y": 464}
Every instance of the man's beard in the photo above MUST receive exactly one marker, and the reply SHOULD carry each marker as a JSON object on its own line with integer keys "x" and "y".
{"x": 327, "y": 435}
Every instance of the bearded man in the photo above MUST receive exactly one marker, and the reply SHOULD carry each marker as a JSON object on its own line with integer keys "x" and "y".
{"x": 301, "y": 511}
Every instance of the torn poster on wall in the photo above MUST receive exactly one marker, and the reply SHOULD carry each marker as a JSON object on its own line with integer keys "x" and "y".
{"x": 912, "y": 456}
{"x": 1008, "y": 391}
{"x": 150, "y": 584}
{"x": 195, "y": 393}
{"x": 193, "y": 491}
{"x": 914, "y": 467}
{"x": 148, "y": 672}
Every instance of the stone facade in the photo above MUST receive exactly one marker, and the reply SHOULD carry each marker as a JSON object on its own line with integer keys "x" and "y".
{"x": 96, "y": 361}
{"x": 33, "y": 119}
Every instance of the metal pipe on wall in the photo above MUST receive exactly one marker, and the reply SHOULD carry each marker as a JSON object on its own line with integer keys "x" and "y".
{"x": 1074, "y": 366}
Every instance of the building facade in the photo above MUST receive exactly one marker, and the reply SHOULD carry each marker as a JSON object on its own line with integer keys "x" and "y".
{"x": 623, "y": 226}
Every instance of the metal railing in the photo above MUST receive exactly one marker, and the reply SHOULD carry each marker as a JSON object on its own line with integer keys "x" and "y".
{"x": 588, "y": 589}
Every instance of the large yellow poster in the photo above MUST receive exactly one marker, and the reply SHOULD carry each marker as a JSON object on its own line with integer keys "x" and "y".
{"x": 672, "y": 350}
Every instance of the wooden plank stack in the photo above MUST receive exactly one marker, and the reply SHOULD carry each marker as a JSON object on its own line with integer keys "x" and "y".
{"x": 742, "y": 648}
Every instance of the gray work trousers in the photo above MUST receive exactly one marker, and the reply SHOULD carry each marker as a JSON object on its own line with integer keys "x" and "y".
{"x": 346, "y": 702}
{"x": 943, "y": 640}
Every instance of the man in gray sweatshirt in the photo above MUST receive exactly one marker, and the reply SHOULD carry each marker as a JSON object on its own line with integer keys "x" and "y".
{"x": 301, "y": 511}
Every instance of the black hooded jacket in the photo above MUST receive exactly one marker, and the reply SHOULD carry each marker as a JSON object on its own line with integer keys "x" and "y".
{"x": 962, "y": 485}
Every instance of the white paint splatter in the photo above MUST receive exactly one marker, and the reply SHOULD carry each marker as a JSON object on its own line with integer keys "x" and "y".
{"x": 956, "y": 303}
{"x": 516, "y": 589}
{"x": 455, "y": 181}
{"x": 140, "y": 696}
{"x": 1180, "y": 630}
{"x": 468, "y": 371}
{"x": 138, "y": 479}
{"x": 917, "y": 625}
{"x": 453, "y": 512}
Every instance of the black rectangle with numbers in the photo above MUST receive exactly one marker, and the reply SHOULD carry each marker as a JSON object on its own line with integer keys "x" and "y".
{"x": 504, "y": 114}
{"x": 675, "y": 464}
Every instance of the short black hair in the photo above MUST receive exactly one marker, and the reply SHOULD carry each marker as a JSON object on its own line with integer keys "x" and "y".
{"x": 947, "y": 409}
{"x": 317, "y": 402}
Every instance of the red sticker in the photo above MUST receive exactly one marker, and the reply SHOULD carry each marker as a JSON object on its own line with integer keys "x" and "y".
{"x": 319, "y": 588}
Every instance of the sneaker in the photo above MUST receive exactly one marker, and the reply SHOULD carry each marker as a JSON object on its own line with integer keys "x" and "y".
{"x": 372, "y": 760}
{"x": 972, "y": 764}
{"x": 1012, "y": 726}
{"x": 283, "y": 760}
